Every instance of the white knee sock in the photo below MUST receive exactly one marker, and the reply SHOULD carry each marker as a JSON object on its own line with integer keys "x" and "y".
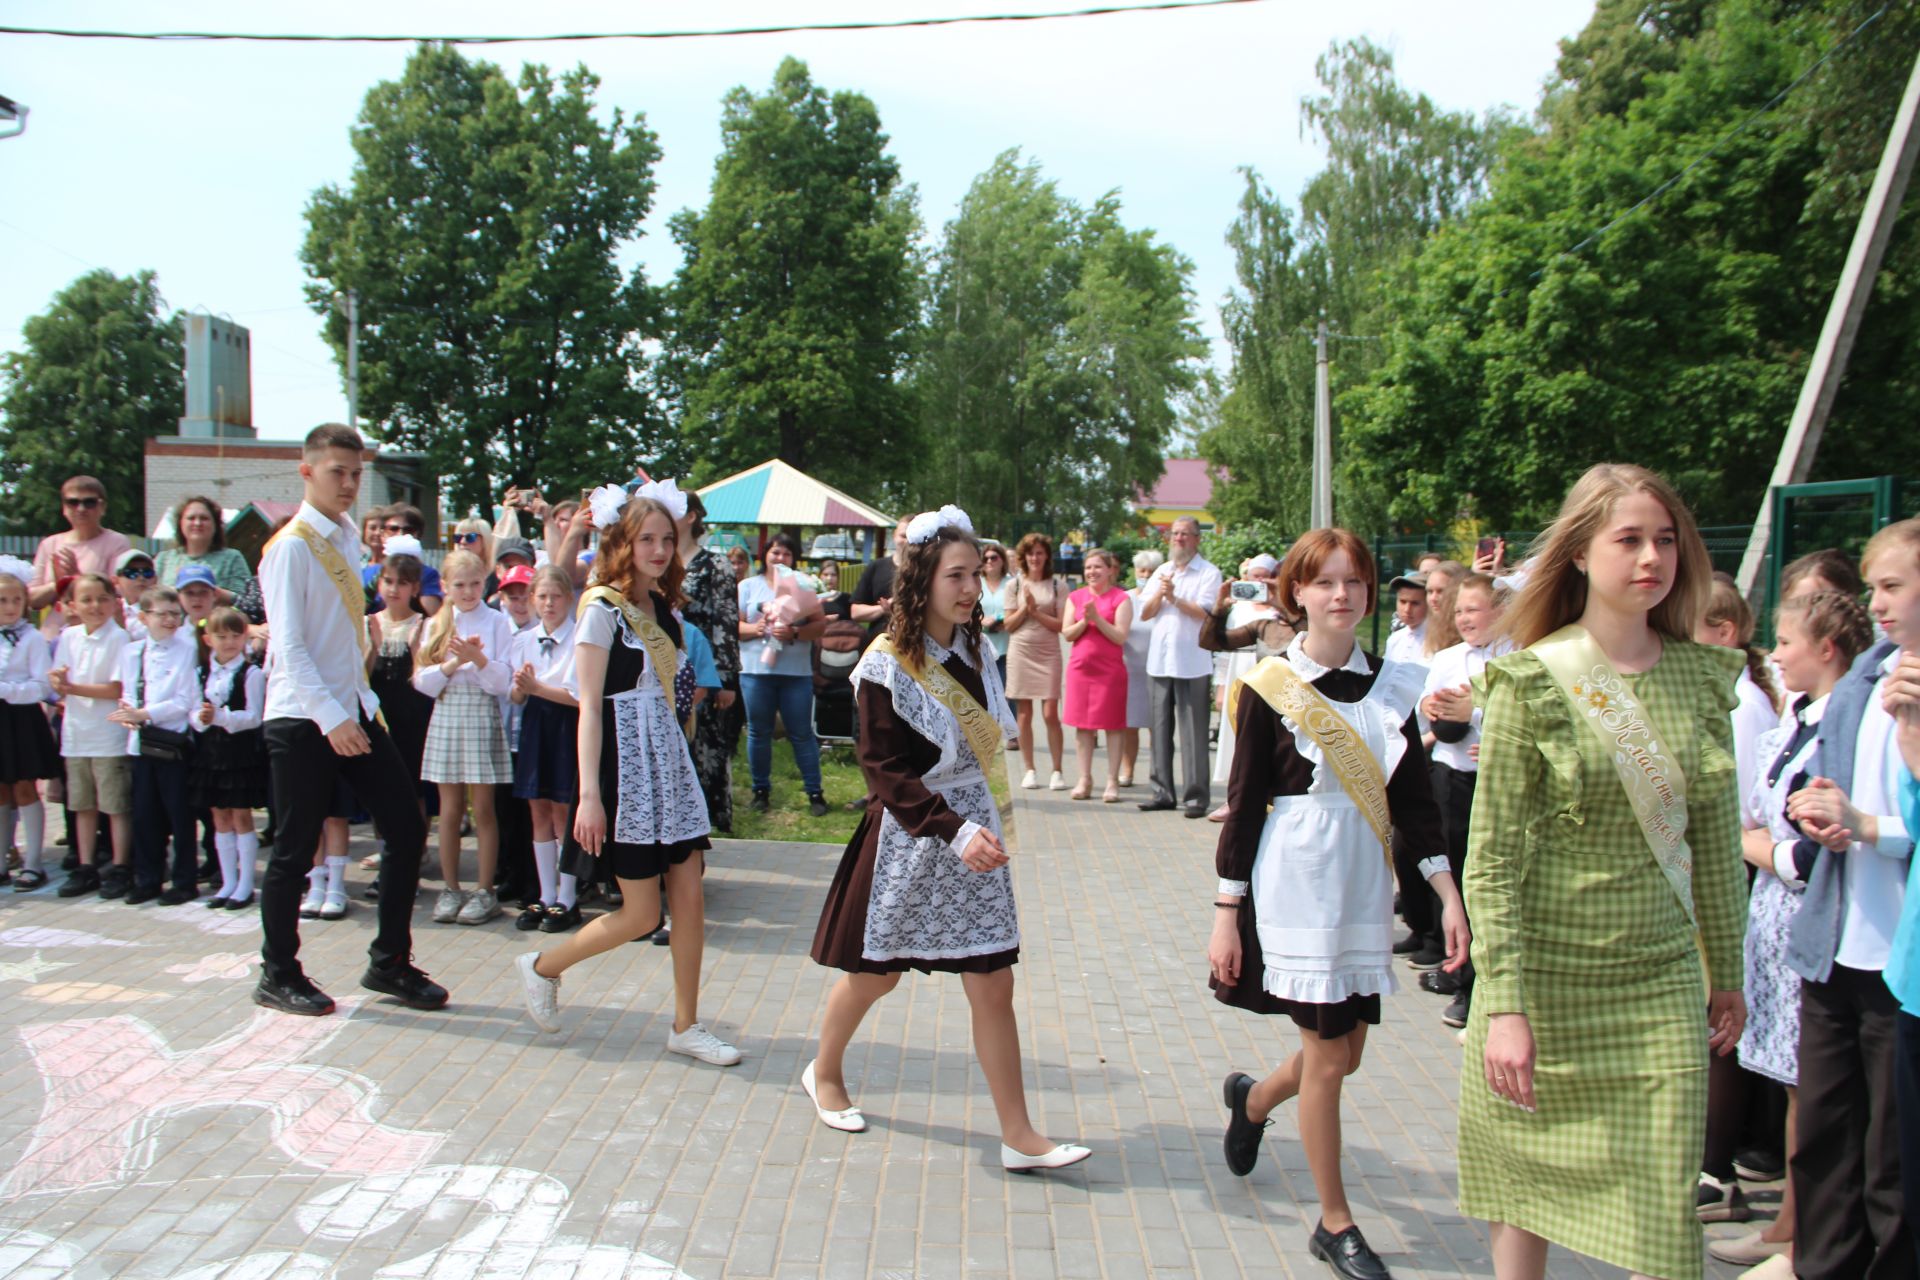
{"x": 229, "y": 855}
{"x": 246, "y": 850}
{"x": 569, "y": 891}
{"x": 316, "y": 887}
{"x": 33, "y": 831}
{"x": 546, "y": 860}
{"x": 336, "y": 877}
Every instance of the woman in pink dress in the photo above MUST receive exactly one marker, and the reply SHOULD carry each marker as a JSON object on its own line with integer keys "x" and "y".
{"x": 1098, "y": 618}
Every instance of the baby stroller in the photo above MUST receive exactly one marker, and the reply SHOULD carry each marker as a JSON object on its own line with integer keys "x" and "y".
{"x": 835, "y": 654}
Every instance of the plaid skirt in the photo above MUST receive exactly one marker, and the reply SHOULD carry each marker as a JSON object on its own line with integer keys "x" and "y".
{"x": 466, "y": 739}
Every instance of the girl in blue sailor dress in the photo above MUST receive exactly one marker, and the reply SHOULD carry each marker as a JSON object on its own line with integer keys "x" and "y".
{"x": 1303, "y": 919}
{"x": 641, "y": 812}
{"x": 924, "y": 883}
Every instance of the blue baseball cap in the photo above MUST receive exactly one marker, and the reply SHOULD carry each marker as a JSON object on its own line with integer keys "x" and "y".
{"x": 194, "y": 575}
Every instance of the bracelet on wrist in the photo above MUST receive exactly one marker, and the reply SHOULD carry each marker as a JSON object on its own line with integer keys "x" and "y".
{"x": 1227, "y": 906}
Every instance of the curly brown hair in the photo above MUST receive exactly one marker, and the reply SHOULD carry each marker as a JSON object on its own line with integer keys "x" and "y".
{"x": 1019, "y": 566}
{"x": 613, "y": 564}
{"x": 913, "y": 591}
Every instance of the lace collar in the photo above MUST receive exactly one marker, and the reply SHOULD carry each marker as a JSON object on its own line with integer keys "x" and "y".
{"x": 940, "y": 653}
{"x": 1310, "y": 670}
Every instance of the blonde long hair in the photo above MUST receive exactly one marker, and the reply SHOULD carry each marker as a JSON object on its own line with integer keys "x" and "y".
{"x": 1556, "y": 591}
{"x": 440, "y": 630}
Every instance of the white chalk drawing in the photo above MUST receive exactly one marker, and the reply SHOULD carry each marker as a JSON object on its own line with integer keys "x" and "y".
{"x": 31, "y": 970}
{"x": 228, "y": 966}
{"x": 37, "y": 936}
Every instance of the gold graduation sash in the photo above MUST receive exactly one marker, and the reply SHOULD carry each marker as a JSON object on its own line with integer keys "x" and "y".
{"x": 665, "y": 658}
{"x": 983, "y": 732}
{"x": 1354, "y": 765}
{"x": 1654, "y": 784}
{"x": 346, "y": 583}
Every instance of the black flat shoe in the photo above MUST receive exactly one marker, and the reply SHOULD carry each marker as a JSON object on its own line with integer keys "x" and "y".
{"x": 407, "y": 985}
{"x": 1196, "y": 811}
{"x": 817, "y": 805}
{"x": 530, "y": 919}
{"x": 178, "y": 894}
{"x": 1243, "y": 1135}
{"x": 1347, "y": 1253}
{"x": 217, "y": 904}
{"x": 1156, "y": 806}
{"x": 762, "y": 801}
{"x": 138, "y": 894}
{"x": 560, "y": 919}
{"x": 1439, "y": 982}
{"x": 297, "y": 995}
{"x": 241, "y": 903}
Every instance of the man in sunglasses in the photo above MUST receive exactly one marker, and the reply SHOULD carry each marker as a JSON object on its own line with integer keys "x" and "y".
{"x": 87, "y": 547}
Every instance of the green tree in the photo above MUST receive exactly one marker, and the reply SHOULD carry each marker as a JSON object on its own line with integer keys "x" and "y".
{"x": 100, "y": 375}
{"x": 794, "y": 307}
{"x": 1058, "y": 346}
{"x": 480, "y": 231}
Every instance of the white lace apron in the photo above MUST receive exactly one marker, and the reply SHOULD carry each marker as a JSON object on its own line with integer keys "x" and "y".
{"x": 659, "y": 800}
{"x": 926, "y": 904}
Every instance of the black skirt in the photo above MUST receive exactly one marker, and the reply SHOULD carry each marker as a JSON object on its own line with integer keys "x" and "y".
{"x": 28, "y": 752}
{"x": 547, "y": 765}
{"x": 627, "y": 861}
{"x": 229, "y": 770}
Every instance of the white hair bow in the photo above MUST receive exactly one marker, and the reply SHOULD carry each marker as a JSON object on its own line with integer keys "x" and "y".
{"x": 15, "y": 567}
{"x": 927, "y": 523}
{"x": 666, "y": 493}
{"x": 403, "y": 544}
{"x": 606, "y": 503}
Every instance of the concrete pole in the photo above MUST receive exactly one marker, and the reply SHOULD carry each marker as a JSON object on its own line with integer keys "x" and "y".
{"x": 1829, "y": 363}
{"x": 353, "y": 359}
{"x": 1322, "y": 513}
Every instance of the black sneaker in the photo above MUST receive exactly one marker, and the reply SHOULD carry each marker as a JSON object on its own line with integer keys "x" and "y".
{"x": 178, "y": 894}
{"x": 1456, "y": 1012}
{"x": 1429, "y": 956}
{"x": 1717, "y": 1201}
{"x": 1407, "y": 945}
{"x": 81, "y": 880}
{"x": 817, "y": 805}
{"x": 762, "y": 802}
{"x": 1757, "y": 1165}
{"x": 1347, "y": 1253}
{"x": 1242, "y": 1142}
{"x": 529, "y": 919}
{"x": 295, "y": 995}
{"x": 1438, "y": 982}
{"x": 138, "y": 894}
{"x": 115, "y": 881}
{"x": 407, "y": 985}
{"x": 71, "y": 862}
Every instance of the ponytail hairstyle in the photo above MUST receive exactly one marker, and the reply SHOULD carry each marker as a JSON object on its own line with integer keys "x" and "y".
{"x": 556, "y": 575}
{"x": 1556, "y": 590}
{"x": 1833, "y": 616}
{"x": 613, "y": 564}
{"x": 1726, "y": 605}
{"x": 1831, "y": 565}
{"x": 913, "y": 593}
{"x": 440, "y": 630}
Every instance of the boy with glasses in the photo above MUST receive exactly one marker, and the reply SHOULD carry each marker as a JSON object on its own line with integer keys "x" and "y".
{"x": 87, "y": 547}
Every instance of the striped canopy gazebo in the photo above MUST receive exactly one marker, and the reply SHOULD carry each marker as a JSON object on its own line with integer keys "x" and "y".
{"x": 776, "y": 495}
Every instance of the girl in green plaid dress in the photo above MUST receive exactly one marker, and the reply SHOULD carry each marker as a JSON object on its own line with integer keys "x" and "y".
{"x": 1583, "y": 1094}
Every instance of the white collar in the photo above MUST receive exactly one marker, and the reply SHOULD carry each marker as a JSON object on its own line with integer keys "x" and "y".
{"x": 1310, "y": 670}
{"x": 1892, "y": 660}
{"x": 566, "y": 625}
{"x": 1811, "y": 713}
{"x": 323, "y": 525}
{"x": 940, "y": 653}
{"x": 240, "y": 660}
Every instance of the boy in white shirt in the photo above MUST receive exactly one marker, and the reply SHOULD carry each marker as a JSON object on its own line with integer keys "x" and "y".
{"x": 86, "y": 676}
{"x": 159, "y": 688}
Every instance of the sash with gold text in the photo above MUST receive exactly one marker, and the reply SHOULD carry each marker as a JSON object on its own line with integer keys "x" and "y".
{"x": 983, "y": 732}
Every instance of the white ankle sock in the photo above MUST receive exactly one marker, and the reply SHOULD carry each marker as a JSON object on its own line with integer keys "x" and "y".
{"x": 246, "y": 850}
{"x": 569, "y": 891}
{"x": 316, "y": 886}
{"x": 33, "y": 830}
{"x": 336, "y": 877}
{"x": 223, "y": 849}
{"x": 546, "y": 860}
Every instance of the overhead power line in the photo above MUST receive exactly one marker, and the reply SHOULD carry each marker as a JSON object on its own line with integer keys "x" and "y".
{"x": 261, "y": 37}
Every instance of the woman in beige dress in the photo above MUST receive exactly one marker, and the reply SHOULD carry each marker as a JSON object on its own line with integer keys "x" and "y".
{"x": 1036, "y": 603}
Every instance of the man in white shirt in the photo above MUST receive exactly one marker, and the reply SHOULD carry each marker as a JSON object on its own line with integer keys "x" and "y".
{"x": 322, "y": 727}
{"x": 1179, "y": 671}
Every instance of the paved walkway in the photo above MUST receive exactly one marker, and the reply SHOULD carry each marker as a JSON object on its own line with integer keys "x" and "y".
{"x": 153, "y": 1123}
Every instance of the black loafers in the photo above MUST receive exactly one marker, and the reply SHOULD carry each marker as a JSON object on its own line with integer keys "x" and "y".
{"x": 1156, "y": 806}
{"x": 1347, "y": 1253}
{"x": 297, "y": 995}
{"x": 1243, "y": 1135}
{"x": 407, "y": 985}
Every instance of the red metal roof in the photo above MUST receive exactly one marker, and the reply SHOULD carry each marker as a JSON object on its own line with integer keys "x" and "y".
{"x": 1186, "y": 483}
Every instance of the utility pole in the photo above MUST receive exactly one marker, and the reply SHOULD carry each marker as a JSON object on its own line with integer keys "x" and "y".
{"x": 1322, "y": 509}
{"x": 1829, "y": 363}
{"x": 353, "y": 359}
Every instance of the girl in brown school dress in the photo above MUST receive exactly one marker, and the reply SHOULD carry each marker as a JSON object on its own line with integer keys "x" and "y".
{"x": 924, "y": 882}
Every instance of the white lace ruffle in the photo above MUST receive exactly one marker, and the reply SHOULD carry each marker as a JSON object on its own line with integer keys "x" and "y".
{"x": 1328, "y": 988}
{"x": 659, "y": 799}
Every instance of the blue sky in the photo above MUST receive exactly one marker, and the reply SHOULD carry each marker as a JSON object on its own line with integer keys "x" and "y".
{"x": 197, "y": 159}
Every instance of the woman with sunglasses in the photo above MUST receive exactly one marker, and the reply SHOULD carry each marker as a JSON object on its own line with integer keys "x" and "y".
{"x": 199, "y": 537}
{"x": 475, "y": 536}
{"x": 993, "y": 601}
{"x": 87, "y": 547}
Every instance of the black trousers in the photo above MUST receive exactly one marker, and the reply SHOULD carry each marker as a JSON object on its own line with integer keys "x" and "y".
{"x": 1453, "y": 793}
{"x": 1850, "y": 1223}
{"x": 515, "y": 867}
{"x": 305, "y": 771}
{"x": 161, "y": 809}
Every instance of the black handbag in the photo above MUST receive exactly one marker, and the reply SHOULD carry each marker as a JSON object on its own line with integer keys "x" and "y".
{"x": 171, "y": 745}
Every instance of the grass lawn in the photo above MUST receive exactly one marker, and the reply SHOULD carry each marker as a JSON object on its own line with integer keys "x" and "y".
{"x": 841, "y": 780}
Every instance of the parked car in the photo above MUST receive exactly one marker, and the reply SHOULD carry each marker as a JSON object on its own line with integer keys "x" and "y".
{"x": 835, "y": 546}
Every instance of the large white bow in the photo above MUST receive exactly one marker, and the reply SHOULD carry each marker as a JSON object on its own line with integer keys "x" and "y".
{"x": 402, "y": 544}
{"x": 667, "y": 494}
{"x": 606, "y": 503}
{"x": 15, "y": 567}
{"x": 927, "y": 523}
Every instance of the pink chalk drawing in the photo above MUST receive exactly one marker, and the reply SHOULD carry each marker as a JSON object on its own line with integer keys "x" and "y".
{"x": 110, "y": 1083}
{"x": 230, "y": 966}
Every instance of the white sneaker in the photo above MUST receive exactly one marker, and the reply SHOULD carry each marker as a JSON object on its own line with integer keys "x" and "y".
{"x": 1031, "y": 782}
{"x": 698, "y": 1042}
{"x": 481, "y": 907}
{"x": 1778, "y": 1267}
{"x": 446, "y": 908}
{"x": 1056, "y": 782}
{"x": 542, "y": 994}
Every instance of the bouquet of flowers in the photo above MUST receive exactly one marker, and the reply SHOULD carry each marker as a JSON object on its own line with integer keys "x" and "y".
{"x": 796, "y": 597}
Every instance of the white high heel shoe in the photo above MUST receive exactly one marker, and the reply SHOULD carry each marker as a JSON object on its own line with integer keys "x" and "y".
{"x": 1059, "y": 1158}
{"x": 848, "y": 1121}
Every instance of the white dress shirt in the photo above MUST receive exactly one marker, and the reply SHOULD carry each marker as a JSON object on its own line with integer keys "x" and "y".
{"x": 220, "y": 678}
{"x": 494, "y": 630}
{"x": 1753, "y": 719}
{"x": 1408, "y": 644}
{"x": 315, "y": 669}
{"x": 1876, "y": 879}
{"x": 85, "y": 731}
{"x": 1452, "y": 667}
{"x": 1173, "y": 648}
{"x": 162, "y": 678}
{"x": 25, "y": 660}
{"x": 552, "y": 662}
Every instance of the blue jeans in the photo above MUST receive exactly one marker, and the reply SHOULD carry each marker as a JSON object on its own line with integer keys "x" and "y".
{"x": 792, "y": 698}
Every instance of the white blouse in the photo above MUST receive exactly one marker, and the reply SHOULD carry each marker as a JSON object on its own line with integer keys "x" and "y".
{"x": 25, "y": 659}
{"x": 219, "y": 684}
{"x": 494, "y": 630}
